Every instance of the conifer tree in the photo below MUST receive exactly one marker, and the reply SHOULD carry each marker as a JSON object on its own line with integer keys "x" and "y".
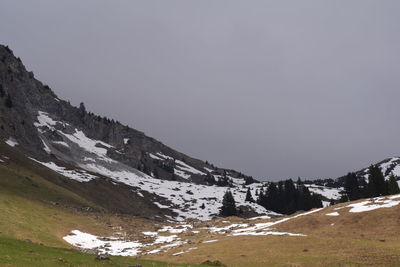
{"x": 249, "y": 197}
{"x": 272, "y": 200}
{"x": 393, "y": 186}
{"x": 290, "y": 197}
{"x": 209, "y": 179}
{"x": 352, "y": 187}
{"x": 376, "y": 183}
{"x": 228, "y": 205}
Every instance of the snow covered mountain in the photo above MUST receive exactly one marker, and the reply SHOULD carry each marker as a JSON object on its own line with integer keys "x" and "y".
{"x": 331, "y": 189}
{"x": 388, "y": 167}
{"x": 117, "y": 167}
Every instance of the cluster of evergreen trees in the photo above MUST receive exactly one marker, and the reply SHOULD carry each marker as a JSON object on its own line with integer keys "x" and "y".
{"x": 356, "y": 188}
{"x": 286, "y": 198}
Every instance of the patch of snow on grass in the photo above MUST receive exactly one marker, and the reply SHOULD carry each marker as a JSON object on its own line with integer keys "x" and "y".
{"x": 210, "y": 241}
{"x": 373, "y": 204}
{"x": 264, "y": 228}
{"x": 333, "y": 214}
{"x": 12, "y": 142}
{"x": 182, "y": 252}
{"x": 260, "y": 218}
{"x": 227, "y": 228}
{"x": 394, "y": 196}
{"x": 166, "y": 247}
{"x": 165, "y": 239}
{"x": 150, "y": 233}
{"x": 181, "y": 229}
{"x": 80, "y": 176}
{"x": 112, "y": 246}
{"x": 268, "y": 233}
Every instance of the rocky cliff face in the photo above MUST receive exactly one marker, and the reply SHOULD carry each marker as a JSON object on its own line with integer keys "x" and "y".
{"x": 135, "y": 171}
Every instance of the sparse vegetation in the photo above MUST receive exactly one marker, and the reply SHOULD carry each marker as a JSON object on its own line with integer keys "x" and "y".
{"x": 21, "y": 253}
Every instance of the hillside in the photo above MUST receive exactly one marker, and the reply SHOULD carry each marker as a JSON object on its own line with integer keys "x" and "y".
{"x": 109, "y": 164}
{"x": 359, "y": 233}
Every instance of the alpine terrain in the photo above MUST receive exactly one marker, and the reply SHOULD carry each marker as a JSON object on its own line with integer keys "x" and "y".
{"x": 74, "y": 184}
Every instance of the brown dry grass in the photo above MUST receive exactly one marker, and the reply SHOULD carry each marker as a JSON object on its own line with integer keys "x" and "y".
{"x": 357, "y": 239}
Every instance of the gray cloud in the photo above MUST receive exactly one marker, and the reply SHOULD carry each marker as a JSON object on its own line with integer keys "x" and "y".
{"x": 273, "y": 88}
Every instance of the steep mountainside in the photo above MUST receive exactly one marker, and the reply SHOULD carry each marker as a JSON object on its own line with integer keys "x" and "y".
{"x": 110, "y": 164}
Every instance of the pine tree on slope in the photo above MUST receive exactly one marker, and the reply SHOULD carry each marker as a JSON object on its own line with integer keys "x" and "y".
{"x": 352, "y": 187}
{"x": 376, "y": 184}
{"x": 393, "y": 186}
{"x": 249, "y": 197}
{"x": 228, "y": 205}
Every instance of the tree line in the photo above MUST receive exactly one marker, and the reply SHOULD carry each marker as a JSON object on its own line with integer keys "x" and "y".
{"x": 283, "y": 197}
{"x": 356, "y": 187}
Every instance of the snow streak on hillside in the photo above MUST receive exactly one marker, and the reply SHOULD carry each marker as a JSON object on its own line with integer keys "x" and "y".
{"x": 184, "y": 198}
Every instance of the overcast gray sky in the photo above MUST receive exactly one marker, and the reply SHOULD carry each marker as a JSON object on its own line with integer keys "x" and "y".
{"x": 275, "y": 89}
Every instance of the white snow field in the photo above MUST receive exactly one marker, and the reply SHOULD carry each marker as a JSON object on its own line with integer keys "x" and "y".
{"x": 328, "y": 192}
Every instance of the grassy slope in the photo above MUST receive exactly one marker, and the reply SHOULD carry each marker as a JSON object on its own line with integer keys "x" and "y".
{"x": 28, "y": 210}
{"x": 19, "y": 253}
{"x": 27, "y": 203}
{"x": 356, "y": 239}
{"x": 364, "y": 239}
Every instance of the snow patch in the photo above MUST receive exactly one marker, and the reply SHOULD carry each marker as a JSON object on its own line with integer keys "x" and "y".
{"x": 80, "y": 176}
{"x": 112, "y": 246}
{"x": 12, "y": 142}
{"x": 44, "y": 120}
{"x": 90, "y": 145}
{"x": 373, "y": 204}
{"x": 210, "y": 241}
{"x": 332, "y": 214}
{"x": 328, "y": 192}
